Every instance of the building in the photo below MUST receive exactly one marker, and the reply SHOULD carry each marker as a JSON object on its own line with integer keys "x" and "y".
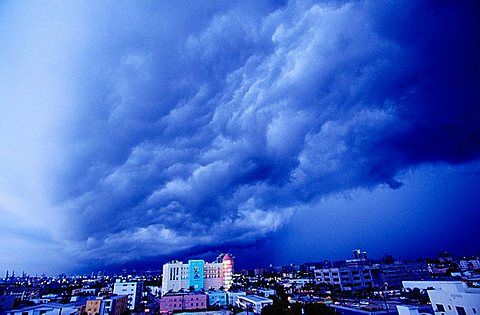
{"x": 254, "y": 303}
{"x": 355, "y": 310}
{"x": 469, "y": 264}
{"x": 232, "y": 296}
{"x": 217, "y": 298}
{"x": 218, "y": 312}
{"x": 356, "y": 274}
{"x": 93, "y": 307}
{"x": 393, "y": 274}
{"x": 449, "y": 297}
{"x": 84, "y": 291}
{"x": 134, "y": 291}
{"x": 174, "y": 302}
{"x": 347, "y": 278}
{"x": 359, "y": 258}
{"x": 198, "y": 274}
{"x": 112, "y": 305}
{"x": 48, "y": 309}
{"x": 413, "y": 310}
{"x": 266, "y": 292}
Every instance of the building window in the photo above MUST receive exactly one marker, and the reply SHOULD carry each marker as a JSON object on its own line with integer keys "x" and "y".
{"x": 460, "y": 310}
{"x": 440, "y": 307}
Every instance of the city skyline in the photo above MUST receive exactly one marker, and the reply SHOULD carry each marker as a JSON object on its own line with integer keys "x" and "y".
{"x": 135, "y": 133}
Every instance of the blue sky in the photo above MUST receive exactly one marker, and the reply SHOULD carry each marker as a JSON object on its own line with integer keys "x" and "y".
{"x": 133, "y": 133}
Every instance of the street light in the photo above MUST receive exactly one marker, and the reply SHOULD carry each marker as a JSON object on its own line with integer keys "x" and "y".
{"x": 385, "y": 285}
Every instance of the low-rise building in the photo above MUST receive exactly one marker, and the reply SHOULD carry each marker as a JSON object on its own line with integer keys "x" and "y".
{"x": 48, "y": 309}
{"x": 266, "y": 292}
{"x": 393, "y": 274}
{"x": 93, "y": 307}
{"x": 132, "y": 289}
{"x": 232, "y": 296}
{"x": 469, "y": 264}
{"x": 108, "y": 305}
{"x": 450, "y": 297}
{"x": 347, "y": 278}
{"x": 254, "y": 303}
{"x": 414, "y": 310}
{"x": 171, "y": 302}
{"x": 217, "y": 298}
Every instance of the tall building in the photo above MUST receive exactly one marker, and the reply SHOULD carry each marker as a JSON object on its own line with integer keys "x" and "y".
{"x": 134, "y": 291}
{"x": 198, "y": 274}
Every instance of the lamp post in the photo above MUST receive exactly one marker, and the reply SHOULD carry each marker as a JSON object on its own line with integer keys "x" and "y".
{"x": 385, "y": 285}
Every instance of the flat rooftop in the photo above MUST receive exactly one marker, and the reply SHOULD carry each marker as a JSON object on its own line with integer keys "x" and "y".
{"x": 255, "y": 298}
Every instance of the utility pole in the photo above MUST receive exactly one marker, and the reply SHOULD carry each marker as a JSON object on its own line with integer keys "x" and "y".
{"x": 385, "y": 286}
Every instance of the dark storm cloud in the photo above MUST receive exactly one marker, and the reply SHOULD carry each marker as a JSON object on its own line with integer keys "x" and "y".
{"x": 200, "y": 128}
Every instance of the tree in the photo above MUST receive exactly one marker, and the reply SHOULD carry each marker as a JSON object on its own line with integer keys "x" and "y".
{"x": 274, "y": 309}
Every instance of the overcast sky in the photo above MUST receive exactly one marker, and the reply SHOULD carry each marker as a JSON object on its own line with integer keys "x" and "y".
{"x": 282, "y": 131}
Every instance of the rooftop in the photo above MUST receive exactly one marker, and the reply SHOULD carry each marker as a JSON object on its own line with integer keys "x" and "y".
{"x": 255, "y": 298}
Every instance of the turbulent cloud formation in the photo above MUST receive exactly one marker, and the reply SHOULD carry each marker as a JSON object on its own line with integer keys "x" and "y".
{"x": 212, "y": 136}
{"x": 195, "y": 127}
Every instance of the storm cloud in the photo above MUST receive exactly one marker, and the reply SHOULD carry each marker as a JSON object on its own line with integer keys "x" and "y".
{"x": 196, "y": 126}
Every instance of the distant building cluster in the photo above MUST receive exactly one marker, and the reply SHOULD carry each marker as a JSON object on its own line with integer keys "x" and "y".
{"x": 359, "y": 273}
{"x": 444, "y": 285}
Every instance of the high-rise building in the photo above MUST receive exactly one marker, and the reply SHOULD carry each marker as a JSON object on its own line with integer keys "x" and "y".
{"x": 198, "y": 274}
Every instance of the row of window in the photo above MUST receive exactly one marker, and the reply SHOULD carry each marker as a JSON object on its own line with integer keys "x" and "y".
{"x": 460, "y": 309}
{"x": 189, "y": 299}
{"x": 186, "y": 304}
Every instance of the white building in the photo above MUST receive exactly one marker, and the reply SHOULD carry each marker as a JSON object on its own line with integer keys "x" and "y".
{"x": 134, "y": 291}
{"x": 266, "y": 292}
{"x": 254, "y": 303}
{"x": 198, "y": 274}
{"x": 469, "y": 264}
{"x": 410, "y": 310}
{"x": 232, "y": 296}
{"x": 347, "y": 278}
{"x": 47, "y": 309}
{"x": 449, "y": 297}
